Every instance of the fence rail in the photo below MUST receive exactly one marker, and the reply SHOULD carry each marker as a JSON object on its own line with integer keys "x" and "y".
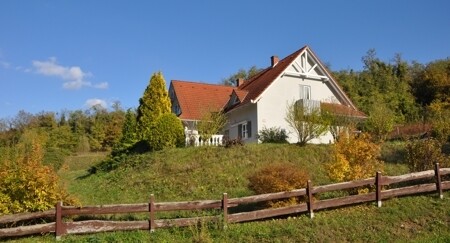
{"x": 311, "y": 193}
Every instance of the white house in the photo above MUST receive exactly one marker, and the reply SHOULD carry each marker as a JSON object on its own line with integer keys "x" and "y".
{"x": 261, "y": 101}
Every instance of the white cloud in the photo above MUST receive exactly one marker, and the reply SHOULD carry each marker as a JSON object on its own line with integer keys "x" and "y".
{"x": 77, "y": 84}
{"x": 103, "y": 85}
{"x": 75, "y": 77}
{"x": 93, "y": 102}
{"x": 25, "y": 70}
{"x": 5, "y": 65}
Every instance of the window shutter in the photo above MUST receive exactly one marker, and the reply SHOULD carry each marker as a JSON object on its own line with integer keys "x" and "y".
{"x": 239, "y": 131}
{"x": 249, "y": 129}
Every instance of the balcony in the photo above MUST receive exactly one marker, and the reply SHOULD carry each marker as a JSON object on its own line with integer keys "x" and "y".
{"x": 308, "y": 105}
{"x": 197, "y": 140}
{"x": 192, "y": 138}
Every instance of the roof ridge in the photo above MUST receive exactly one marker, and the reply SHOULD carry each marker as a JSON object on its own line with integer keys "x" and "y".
{"x": 200, "y": 82}
{"x": 256, "y": 76}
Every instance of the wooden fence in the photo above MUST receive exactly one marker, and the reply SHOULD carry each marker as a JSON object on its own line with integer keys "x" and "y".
{"x": 312, "y": 193}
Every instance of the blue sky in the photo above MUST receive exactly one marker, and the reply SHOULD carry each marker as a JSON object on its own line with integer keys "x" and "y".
{"x": 67, "y": 55}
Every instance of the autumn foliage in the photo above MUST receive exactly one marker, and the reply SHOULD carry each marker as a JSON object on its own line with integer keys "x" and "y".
{"x": 354, "y": 157}
{"x": 423, "y": 154}
{"x": 25, "y": 184}
{"x": 278, "y": 177}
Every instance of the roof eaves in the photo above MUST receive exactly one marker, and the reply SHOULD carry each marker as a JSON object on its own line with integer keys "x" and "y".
{"x": 333, "y": 81}
{"x": 294, "y": 57}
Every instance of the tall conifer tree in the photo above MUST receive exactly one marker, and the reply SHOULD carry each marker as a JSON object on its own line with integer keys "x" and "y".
{"x": 129, "y": 136}
{"x": 154, "y": 103}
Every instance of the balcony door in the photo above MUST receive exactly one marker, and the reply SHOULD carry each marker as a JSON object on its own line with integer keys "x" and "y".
{"x": 305, "y": 92}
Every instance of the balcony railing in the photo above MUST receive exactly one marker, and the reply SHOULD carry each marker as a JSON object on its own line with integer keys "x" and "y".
{"x": 192, "y": 138}
{"x": 308, "y": 105}
{"x": 197, "y": 140}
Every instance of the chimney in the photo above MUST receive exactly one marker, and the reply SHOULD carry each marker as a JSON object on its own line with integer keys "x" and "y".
{"x": 274, "y": 60}
{"x": 239, "y": 82}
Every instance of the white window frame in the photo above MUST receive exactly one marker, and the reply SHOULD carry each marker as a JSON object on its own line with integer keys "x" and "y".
{"x": 244, "y": 132}
{"x": 244, "y": 129}
{"x": 305, "y": 92}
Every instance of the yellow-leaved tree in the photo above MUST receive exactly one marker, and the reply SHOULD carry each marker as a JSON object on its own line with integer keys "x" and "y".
{"x": 26, "y": 185}
{"x": 354, "y": 157}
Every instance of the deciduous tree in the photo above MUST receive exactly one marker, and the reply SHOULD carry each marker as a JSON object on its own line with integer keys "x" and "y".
{"x": 380, "y": 122}
{"x": 354, "y": 157}
{"x": 25, "y": 184}
{"x": 211, "y": 123}
{"x": 306, "y": 122}
{"x": 241, "y": 73}
{"x": 433, "y": 83}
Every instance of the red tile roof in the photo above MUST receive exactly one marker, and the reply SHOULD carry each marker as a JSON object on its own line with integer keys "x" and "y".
{"x": 196, "y": 98}
{"x": 241, "y": 94}
{"x": 256, "y": 85}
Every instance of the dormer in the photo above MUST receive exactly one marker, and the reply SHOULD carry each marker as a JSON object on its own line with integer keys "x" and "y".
{"x": 236, "y": 97}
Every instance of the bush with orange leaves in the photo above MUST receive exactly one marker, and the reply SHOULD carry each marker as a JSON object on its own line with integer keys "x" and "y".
{"x": 25, "y": 184}
{"x": 354, "y": 157}
{"x": 278, "y": 177}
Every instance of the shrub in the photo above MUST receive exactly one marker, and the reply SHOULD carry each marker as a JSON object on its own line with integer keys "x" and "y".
{"x": 423, "y": 154}
{"x": 26, "y": 185}
{"x": 380, "y": 122}
{"x": 278, "y": 177}
{"x": 354, "y": 157}
{"x": 440, "y": 120}
{"x": 228, "y": 143}
{"x": 167, "y": 132}
{"x": 273, "y": 135}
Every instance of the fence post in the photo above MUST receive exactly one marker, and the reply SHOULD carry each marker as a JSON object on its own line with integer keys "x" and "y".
{"x": 59, "y": 227}
{"x": 151, "y": 209}
{"x": 225, "y": 210}
{"x": 378, "y": 183}
{"x": 437, "y": 174}
{"x": 310, "y": 199}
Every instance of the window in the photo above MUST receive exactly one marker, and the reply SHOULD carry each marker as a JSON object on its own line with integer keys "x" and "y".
{"x": 245, "y": 130}
{"x": 226, "y": 134}
{"x": 305, "y": 92}
{"x": 176, "y": 109}
{"x": 235, "y": 100}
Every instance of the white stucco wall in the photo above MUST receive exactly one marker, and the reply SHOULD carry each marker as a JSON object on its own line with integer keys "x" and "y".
{"x": 270, "y": 109}
{"x": 241, "y": 114}
{"x": 272, "y": 105}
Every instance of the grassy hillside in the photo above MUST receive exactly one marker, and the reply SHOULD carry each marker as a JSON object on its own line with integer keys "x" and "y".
{"x": 190, "y": 173}
{"x": 205, "y": 173}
